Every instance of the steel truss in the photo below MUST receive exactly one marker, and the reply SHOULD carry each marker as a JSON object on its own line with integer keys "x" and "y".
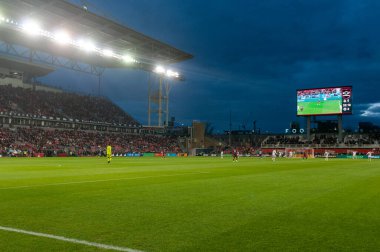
{"x": 32, "y": 55}
{"x": 158, "y": 100}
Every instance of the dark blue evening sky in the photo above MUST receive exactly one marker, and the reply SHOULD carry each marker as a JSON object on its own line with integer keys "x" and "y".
{"x": 249, "y": 58}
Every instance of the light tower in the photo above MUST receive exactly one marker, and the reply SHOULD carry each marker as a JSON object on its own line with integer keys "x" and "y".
{"x": 158, "y": 95}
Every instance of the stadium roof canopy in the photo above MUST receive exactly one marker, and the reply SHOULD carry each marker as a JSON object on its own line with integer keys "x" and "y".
{"x": 9, "y": 65}
{"x": 56, "y": 15}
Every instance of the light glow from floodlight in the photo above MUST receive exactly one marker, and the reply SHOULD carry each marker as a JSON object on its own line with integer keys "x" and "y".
{"x": 160, "y": 70}
{"x": 171, "y": 73}
{"x": 168, "y": 72}
{"x": 128, "y": 59}
{"x": 86, "y": 45}
{"x": 108, "y": 52}
{"x": 30, "y": 27}
{"x": 33, "y": 27}
{"x": 62, "y": 37}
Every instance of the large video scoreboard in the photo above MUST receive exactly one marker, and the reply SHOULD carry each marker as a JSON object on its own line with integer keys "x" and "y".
{"x": 324, "y": 101}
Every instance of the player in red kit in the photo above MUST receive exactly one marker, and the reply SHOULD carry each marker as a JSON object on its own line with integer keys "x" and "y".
{"x": 235, "y": 155}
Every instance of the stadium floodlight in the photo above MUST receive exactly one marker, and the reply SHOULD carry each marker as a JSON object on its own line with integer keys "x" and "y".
{"x": 159, "y": 70}
{"x": 168, "y": 72}
{"x": 108, "y": 52}
{"x": 171, "y": 73}
{"x": 62, "y": 37}
{"x": 31, "y": 27}
{"x": 86, "y": 45}
{"x": 128, "y": 59}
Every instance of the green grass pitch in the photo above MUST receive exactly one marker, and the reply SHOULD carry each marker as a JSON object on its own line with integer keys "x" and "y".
{"x": 191, "y": 204}
{"x": 325, "y": 107}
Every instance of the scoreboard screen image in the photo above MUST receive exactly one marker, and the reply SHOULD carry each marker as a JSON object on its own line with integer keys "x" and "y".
{"x": 324, "y": 101}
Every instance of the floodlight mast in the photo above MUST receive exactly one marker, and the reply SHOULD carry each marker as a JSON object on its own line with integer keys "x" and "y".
{"x": 167, "y": 90}
{"x": 158, "y": 95}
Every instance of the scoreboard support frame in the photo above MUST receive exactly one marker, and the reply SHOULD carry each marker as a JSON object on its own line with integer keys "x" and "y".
{"x": 340, "y": 128}
{"x": 308, "y": 126}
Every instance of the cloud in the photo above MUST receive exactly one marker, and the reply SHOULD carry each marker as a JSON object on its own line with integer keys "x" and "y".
{"x": 371, "y": 110}
{"x": 249, "y": 57}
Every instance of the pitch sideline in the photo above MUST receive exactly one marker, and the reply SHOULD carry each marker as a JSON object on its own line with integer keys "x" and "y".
{"x": 71, "y": 240}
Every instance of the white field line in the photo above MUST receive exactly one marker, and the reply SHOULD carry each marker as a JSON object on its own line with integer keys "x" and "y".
{"x": 101, "y": 180}
{"x": 71, "y": 240}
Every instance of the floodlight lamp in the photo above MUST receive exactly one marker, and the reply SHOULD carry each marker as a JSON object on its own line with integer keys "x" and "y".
{"x": 61, "y": 37}
{"x": 129, "y": 59}
{"x": 90, "y": 47}
{"x": 171, "y": 73}
{"x": 159, "y": 70}
{"x": 107, "y": 52}
{"x": 86, "y": 45}
{"x": 31, "y": 27}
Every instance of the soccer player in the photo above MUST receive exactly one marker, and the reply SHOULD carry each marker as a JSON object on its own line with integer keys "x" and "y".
{"x": 109, "y": 153}
{"x": 234, "y": 155}
{"x": 327, "y": 155}
{"x": 221, "y": 154}
{"x": 274, "y": 154}
{"x": 304, "y": 155}
{"x": 369, "y": 155}
{"x": 354, "y": 155}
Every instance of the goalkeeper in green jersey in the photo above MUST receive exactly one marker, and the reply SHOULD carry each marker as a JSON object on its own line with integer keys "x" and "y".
{"x": 109, "y": 153}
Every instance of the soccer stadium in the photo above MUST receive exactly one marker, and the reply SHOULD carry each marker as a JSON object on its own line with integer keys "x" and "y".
{"x": 80, "y": 173}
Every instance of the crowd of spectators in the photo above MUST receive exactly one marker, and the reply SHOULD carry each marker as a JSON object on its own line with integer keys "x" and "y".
{"x": 362, "y": 139}
{"x": 283, "y": 139}
{"x": 324, "y": 139}
{"x": 293, "y": 140}
{"x": 27, "y": 141}
{"x": 64, "y": 105}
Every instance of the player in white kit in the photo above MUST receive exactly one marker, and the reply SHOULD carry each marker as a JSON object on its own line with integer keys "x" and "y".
{"x": 274, "y": 154}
